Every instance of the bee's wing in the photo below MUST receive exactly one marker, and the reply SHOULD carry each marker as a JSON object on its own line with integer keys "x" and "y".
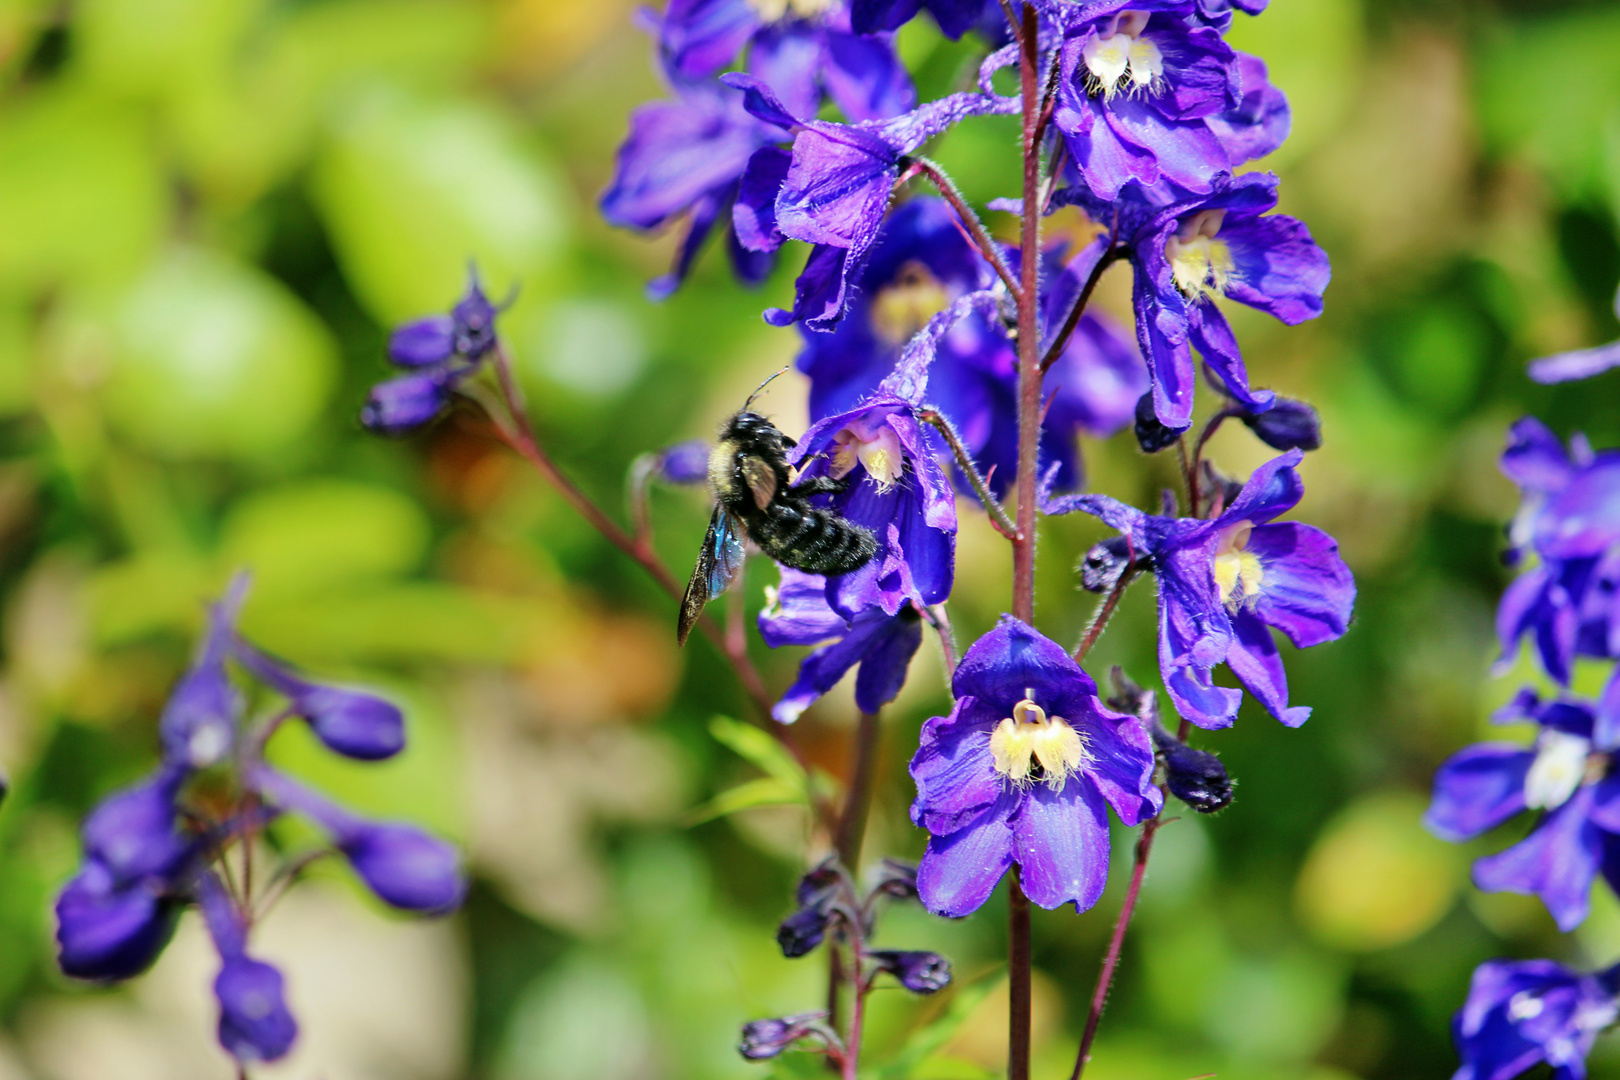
{"x": 761, "y": 479}
{"x": 718, "y": 562}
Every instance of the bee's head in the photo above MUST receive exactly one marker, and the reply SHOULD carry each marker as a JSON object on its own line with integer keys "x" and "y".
{"x": 748, "y": 428}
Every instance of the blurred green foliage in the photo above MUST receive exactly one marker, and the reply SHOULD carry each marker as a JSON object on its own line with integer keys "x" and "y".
{"x": 211, "y": 211}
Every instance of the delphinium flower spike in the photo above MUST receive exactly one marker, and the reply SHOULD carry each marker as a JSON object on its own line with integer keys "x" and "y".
{"x": 1521, "y": 1013}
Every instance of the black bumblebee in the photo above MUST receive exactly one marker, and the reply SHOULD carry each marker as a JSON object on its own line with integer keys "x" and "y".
{"x": 754, "y": 493}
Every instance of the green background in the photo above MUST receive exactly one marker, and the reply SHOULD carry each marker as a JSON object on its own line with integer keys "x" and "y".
{"x": 211, "y": 211}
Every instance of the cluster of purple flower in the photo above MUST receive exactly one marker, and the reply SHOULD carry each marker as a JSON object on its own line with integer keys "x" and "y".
{"x": 1566, "y": 535}
{"x": 166, "y": 843}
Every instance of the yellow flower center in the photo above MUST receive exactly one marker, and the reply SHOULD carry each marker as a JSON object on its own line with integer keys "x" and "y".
{"x": 1237, "y": 570}
{"x": 1202, "y": 265}
{"x": 772, "y": 10}
{"x": 1120, "y": 58}
{"x": 879, "y": 453}
{"x": 903, "y": 308}
{"x": 1028, "y": 738}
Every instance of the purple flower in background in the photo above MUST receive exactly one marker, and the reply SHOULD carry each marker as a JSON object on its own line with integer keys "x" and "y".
{"x": 1150, "y": 96}
{"x": 803, "y": 49}
{"x": 1579, "y": 364}
{"x": 881, "y": 644}
{"x": 1022, "y": 771}
{"x": 955, "y": 17}
{"x": 1568, "y": 776}
{"x": 351, "y": 722}
{"x": 438, "y": 352}
{"x": 897, "y": 490}
{"x": 254, "y": 1024}
{"x": 918, "y": 266}
{"x": 1223, "y": 583}
{"x": 1521, "y": 1013}
{"x": 1222, "y": 245}
{"x": 1570, "y": 518}
{"x": 405, "y": 867}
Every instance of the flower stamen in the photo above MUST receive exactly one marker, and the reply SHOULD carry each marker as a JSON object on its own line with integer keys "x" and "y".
{"x": 1238, "y": 571}
{"x": 1200, "y": 263}
{"x": 1120, "y": 58}
{"x": 1029, "y": 740}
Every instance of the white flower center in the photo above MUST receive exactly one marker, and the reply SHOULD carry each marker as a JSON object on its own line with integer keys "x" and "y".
{"x": 772, "y": 10}
{"x": 1028, "y": 737}
{"x": 1558, "y": 770}
{"x": 1202, "y": 265}
{"x": 901, "y": 309}
{"x": 1525, "y": 1005}
{"x": 207, "y": 745}
{"x": 1238, "y": 571}
{"x": 879, "y": 452}
{"x": 1120, "y": 58}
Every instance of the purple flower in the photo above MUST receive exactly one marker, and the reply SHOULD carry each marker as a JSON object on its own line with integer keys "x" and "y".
{"x": 108, "y": 931}
{"x": 837, "y": 187}
{"x": 763, "y": 1039}
{"x": 919, "y": 972}
{"x": 135, "y": 833}
{"x": 880, "y": 643}
{"x": 405, "y": 867}
{"x": 1580, "y": 364}
{"x": 438, "y": 351}
{"x": 254, "y": 1024}
{"x": 955, "y": 17}
{"x": 1570, "y": 518}
{"x": 918, "y": 266}
{"x": 1567, "y": 774}
{"x": 896, "y": 489}
{"x": 1286, "y": 425}
{"x": 1223, "y": 582}
{"x": 805, "y": 52}
{"x": 354, "y": 724}
{"x": 198, "y": 726}
{"x": 1220, "y": 245}
{"x": 1520, "y": 1013}
{"x": 1152, "y": 97}
{"x": 1022, "y": 770}
{"x": 683, "y": 464}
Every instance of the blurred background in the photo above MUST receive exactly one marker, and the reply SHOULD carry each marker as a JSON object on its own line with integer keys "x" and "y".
{"x": 211, "y": 211}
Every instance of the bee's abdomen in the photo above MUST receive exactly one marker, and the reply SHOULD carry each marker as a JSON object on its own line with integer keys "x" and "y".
{"x": 814, "y": 540}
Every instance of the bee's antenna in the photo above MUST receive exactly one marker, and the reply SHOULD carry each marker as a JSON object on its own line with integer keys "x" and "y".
{"x": 761, "y": 387}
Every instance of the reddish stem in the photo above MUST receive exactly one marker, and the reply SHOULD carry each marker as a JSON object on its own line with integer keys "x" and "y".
{"x": 1072, "y": 322}
{"x": 976, "y": 231}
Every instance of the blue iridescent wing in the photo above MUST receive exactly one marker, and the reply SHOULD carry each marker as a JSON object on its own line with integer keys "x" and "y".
{"x": 718, "y": 562}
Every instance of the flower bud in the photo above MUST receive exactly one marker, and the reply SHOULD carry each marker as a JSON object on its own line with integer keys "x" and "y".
{"x": 254, "y": 1024}
{"x": 350, "y": 722}
{"x": 897, "y": 879}
{"x": 399, "y": 406}
{"x": 107, "y": 932}
{"x": 802, "y": 931}
{"x": 133, "y": 832}
{"x": 1133, "y": 700}
{"x": 407, "y": 868}
{"x": 824, "y": 877}
{"x": 763, "y": 1039}
{"x": 423, "y": 342}
{"x": 919, "y": 972}
{"x": 1104, "y": 563}
{"x": 1287, "y": 425}
{"x": 1151, "y": 435}
{"x": 684, "y": 463}
{"x": 1196, "y": 777}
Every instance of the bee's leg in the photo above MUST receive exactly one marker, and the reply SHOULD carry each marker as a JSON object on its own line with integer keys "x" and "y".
{"x": 821, "y": 485}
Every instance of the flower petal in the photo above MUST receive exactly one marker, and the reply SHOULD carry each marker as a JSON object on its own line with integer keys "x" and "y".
{"x": 1477, "y": 789}
{"x": 1253, "y": 659}
{"x": 1306, "y": 590}
{"x": 1556, "y": 862}
{"x": 959, "y": 872}
{"x": 1061, "y": 845}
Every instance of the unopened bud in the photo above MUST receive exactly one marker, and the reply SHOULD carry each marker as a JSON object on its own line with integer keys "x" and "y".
{"x": 919, "y": 972}
{"x": 1196, "y": 777}
{"x": 763, "y": 1039}
{"x": 897, "y": 879}
{"x": 1151, "y": 435}
{"x": 802, "y": 931}
{"x": 1104, "y": 563}
{"x": 684, "y": 463}
{"x": 1287, "y": 425}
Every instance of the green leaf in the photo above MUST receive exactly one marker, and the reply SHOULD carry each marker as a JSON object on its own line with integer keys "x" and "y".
{"x": 765, "y": 791}
{"x": 760, "y": 749}
{"x": 929, "y": 1039}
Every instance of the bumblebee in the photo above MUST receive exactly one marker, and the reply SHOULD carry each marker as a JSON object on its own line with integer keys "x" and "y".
{"x": 755, "y": 495}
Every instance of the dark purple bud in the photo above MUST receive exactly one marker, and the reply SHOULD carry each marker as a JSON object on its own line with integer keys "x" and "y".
{"x": 1104, "y": 563}
{"x": 763, "y": 1039}
{"x": 1151, "y": 435}
{"x": 1218, "y": 488}
{"x": 133, "y": 833}
{"x": 1287, "y": 425}
{"x": 1133, "y": 700}
{"x": 423, "y": 342}
{"x": 684, "y": 463}
{"x": 474, "y": 318}
{"x": 355, "y": 724}
{"x": 1196, "y": 777}
{"x": 105, "y": 932}
{"x": 824, "y": 877}
{"x": 198, "y": 726}
{"x": 407, "y": 868}
{"x": 254, "y": 1024}
{"x": 402, "y": 405}
{"x": 919, "y": 972}
{"x": 802, "y": 931}
{"x": 897, "y": 879}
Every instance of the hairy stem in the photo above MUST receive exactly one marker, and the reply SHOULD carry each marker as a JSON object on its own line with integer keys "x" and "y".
{"x": 1106, "y": 612}
{"x": 1072, "y": 322}
{"x": 1029, "y": 434}
{"x": 964, "y": 460}
{"x": 940, "y": 620}
{"x": 1105, "y": 979}
{"x": 976, "y": 230}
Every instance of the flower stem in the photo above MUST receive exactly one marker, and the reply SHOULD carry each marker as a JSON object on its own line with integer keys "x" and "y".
{"x": 964, "y": 460}
{"x": 1106, "y": 612}
{"x": 1061, "y": 341}
{"x": 1194, "y": 467}
{"x": 1029, "y": 434}
{"x": 857, "y": 807}
{"x": 1105, "y": 979}
{"x": 976, "y": 230}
